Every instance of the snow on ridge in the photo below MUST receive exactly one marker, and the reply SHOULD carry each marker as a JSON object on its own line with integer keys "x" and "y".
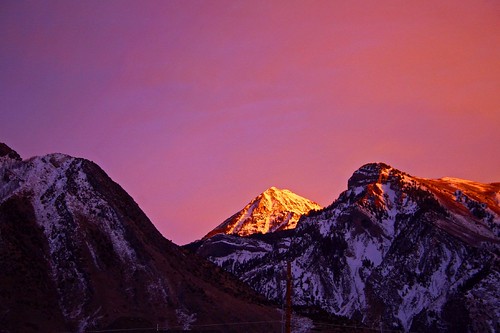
{"x": 292, "y": 198}
{"x": 248, "y": 245}
{"x": 46, "y": 177}
{"x": 246, "y": 214}
{"x": 92, "y": 204}
{"x": 473, "y": 206}
{"x": 453, "y": 180}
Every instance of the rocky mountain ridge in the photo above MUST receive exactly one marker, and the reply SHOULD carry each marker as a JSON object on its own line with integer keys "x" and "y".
{"x": 393, "y": 251}
{"x": 77, "y": 253}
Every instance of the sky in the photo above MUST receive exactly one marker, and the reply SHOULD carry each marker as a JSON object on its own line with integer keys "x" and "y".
{"x": 196, "y": 107}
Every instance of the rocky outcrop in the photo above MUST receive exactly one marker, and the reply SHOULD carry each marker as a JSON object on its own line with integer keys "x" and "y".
{"x": 6, "y": 151}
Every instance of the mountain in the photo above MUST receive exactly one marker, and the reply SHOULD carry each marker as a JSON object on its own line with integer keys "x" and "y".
{"x": 394, "y": 251}
{"x": 77, "y": 254}
{"x": 271, "y": 211}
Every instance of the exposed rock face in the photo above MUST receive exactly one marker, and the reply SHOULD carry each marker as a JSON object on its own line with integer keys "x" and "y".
{"x": 77, "y": 253}
{"x": 393, "y": 251}
{"x": 271, "y": 211}
{"x": 6, "y": 151}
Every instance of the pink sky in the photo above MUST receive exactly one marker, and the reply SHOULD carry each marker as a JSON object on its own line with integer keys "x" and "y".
{"x": 195, "y": 107}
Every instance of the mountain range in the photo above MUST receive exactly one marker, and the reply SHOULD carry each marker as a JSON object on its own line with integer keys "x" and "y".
{"x": 394, "y": 252}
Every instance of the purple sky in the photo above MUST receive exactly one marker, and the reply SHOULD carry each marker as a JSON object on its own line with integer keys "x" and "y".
{"x": 195, "y": 107}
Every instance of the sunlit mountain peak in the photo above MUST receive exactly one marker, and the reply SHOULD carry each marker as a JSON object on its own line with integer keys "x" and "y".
{"x": 273, "y": 210}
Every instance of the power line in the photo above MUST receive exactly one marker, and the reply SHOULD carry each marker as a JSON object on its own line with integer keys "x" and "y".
{"x": 316, "y": 324}
{"x": 180, "y": 327}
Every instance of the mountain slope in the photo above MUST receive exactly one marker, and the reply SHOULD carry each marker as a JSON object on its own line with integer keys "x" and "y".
{"x": 393, "y": 251}
{"x": 272, "y": 210}
{"x": 76, "y": 253}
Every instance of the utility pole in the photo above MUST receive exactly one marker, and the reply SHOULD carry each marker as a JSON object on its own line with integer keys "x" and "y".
{"x": 288, "y": 324}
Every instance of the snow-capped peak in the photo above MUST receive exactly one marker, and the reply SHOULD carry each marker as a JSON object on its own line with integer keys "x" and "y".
{"x": 272, "y": 210}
